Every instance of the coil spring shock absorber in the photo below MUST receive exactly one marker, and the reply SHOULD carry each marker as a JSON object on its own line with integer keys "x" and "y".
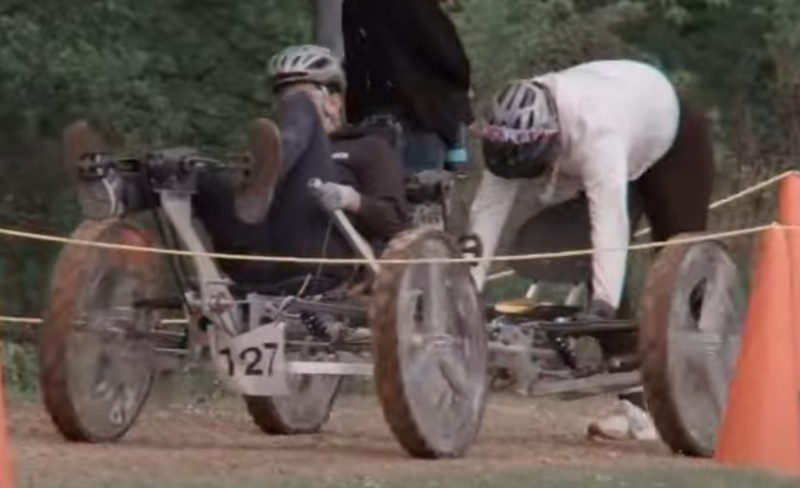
{"x": 315, "y": 326}
{"x": 563, "y": 349}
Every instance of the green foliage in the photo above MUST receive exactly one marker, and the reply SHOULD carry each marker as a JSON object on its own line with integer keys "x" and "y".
{"x": 157, "y": 72}
{"x": 20, "y": 369}
{"x": 519, "y": 38}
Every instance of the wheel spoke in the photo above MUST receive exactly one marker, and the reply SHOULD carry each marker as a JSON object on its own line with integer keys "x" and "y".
{"x": 438, "y": 309}
{"x": 454, "y": 371}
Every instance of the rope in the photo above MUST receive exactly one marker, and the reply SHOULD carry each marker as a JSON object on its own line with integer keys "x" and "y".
{"x": 362, "y": 261}
{"x": 10, "y": 319}
{"x": 529, "y": 257}
{"x": 354, "y": 261}
{"x": 20, "y": 320}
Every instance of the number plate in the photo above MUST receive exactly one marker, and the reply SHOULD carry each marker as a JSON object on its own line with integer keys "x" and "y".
{"x": 253, "y": 363}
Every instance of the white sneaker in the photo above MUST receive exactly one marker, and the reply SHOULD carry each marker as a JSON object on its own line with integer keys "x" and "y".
{"x": 629, "y": 422}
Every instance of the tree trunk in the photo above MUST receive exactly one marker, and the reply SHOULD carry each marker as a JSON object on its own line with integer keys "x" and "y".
{"x": 327, "y": 24}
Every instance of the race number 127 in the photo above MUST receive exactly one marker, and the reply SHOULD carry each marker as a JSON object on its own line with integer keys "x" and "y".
{"x": 256, "y": 359}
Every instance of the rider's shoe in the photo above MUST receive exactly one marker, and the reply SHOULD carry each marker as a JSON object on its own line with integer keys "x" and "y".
{"x": 254, "y": 195}
{"x": 100, "y": 189}
{"x": 629, "y": 422}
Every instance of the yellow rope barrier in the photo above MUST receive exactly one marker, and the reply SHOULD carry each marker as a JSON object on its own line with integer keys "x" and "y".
{"x": 10, "y": 319}
{"x": 354, "y": 261}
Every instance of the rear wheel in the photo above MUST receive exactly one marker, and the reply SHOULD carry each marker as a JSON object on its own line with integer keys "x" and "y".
{"x": 430, "y": 347}
{"x": 691, "y": 317}
{"x": 308, "y": 406}
{"x": 95, "y": 351}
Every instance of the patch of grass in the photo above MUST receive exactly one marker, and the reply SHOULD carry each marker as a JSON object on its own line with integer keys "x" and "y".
{"x": 20, "y": 370}
{"x": 551, "y": 478}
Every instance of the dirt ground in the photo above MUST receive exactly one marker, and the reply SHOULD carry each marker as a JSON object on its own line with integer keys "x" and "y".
{"x": 202, "y": 444}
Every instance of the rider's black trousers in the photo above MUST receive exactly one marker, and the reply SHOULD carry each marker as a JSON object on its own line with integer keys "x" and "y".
{"x": 675, "y": 193}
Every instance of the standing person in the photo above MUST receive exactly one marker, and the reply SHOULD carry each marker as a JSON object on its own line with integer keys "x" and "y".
{"x": 618, "y": 132}
{"x": 404, "y": 59}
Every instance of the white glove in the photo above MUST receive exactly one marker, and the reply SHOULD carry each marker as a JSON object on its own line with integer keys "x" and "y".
{"x": 478, "y": 276}
{"x": 337, "y": 197}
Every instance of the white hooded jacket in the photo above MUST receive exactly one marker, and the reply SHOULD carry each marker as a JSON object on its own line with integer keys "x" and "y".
{"x": 617, "y": 118}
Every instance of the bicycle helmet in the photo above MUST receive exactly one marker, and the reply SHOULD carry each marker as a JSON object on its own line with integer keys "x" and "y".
{"x": 521, "y": 139}
{"x": 307, "y": 64}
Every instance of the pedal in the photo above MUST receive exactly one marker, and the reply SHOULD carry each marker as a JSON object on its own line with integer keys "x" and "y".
{"x": 516, "y": 307}
{"x": 588, "y": 355}
{"x": 530, "y": 309}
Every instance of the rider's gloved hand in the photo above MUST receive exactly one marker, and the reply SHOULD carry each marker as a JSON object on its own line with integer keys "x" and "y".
{"x": 338, "y": 197}
{"x": 599, "y": 310}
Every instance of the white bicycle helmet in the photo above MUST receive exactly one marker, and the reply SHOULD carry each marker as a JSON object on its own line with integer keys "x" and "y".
{"x": 522, "y": 136}
{"x": 307, "y": 64}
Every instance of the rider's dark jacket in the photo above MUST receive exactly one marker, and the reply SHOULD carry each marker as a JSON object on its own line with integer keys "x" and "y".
{"x": 369, "y": 165}
{"x": 405, "y": 57}
{"x": 296, "y": 224}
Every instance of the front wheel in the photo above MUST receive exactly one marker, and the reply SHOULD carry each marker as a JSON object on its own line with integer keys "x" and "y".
{"x": 96, "y": 353}
{"x": 430, "y": 347}
{"x": 691, "y": 318}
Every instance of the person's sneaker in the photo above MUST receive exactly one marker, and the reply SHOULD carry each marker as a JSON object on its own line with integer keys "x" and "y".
{"x": 626, "y": 423}
{"x": 254, "y": 195}
{"x": 641, "y": 424}
{"x": 100, "y": 190}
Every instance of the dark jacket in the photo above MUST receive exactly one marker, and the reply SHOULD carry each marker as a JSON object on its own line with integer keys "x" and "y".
{"x": 369, "y": 165}
{"x": 405, "y": 56}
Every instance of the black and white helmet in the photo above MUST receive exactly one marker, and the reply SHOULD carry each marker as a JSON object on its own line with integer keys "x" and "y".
{"x": 307, "y": 64}
{"x": 523, "y": 105}
{"x": 521, "y": 138}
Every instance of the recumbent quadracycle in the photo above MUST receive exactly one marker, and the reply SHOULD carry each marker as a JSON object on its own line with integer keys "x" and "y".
{"x": 421, "y": 328}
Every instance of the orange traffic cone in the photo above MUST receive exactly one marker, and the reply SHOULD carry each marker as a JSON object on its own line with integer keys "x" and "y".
{"x": 761, "y": 423}
{"x": 789, "y": 215}
{"x": 6, "y": 474}
{"x": 789, "y": 200}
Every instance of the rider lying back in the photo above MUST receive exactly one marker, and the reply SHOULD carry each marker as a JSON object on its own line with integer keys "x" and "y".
{"x": 362, "y": 175}
{"x": 275, "y": 213}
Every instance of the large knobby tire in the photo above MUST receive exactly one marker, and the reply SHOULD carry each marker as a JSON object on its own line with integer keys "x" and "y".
{"x": 96, "y": 372}
{"x": 305, "y": 410}
{"x": 691, "y": 315}
{"x": 430, "y": 347}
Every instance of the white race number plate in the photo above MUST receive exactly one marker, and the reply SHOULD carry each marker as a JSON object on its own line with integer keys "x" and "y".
{"x": 253, "y": 363}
